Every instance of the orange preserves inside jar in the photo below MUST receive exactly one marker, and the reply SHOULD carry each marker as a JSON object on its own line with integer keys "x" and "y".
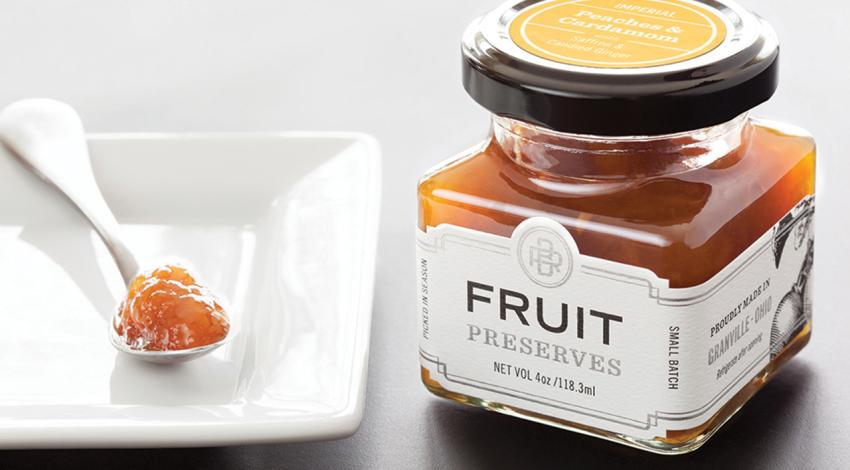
{"x": 684, "y": 211}
{"x": 693, "y": 217}
{"x": 167, "y": 310}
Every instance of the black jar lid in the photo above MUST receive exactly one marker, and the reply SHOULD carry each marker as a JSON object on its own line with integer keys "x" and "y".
{"x": 619, "y": 68}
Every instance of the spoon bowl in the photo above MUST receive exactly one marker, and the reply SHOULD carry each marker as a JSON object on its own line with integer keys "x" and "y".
{"x": 164, "y": 357}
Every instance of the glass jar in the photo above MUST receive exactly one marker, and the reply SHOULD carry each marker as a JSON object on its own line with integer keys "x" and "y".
{"x": 628, "y": 253}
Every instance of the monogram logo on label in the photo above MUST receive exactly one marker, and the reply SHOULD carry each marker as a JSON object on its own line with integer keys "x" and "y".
{"x": 545, "y": 257}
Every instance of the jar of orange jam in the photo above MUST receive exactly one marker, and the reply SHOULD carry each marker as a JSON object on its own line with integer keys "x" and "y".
{"x": 628, "y": 254}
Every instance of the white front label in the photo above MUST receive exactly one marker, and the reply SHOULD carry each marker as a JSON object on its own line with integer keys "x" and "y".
{"x": 530, "y": 322}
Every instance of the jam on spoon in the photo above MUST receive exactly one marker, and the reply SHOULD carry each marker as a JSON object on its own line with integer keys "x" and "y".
{"x": 167, "y": 310}
{"x": 167, "y": 318}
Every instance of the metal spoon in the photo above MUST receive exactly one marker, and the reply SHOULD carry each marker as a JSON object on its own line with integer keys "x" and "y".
{"x": 47, "y": 136}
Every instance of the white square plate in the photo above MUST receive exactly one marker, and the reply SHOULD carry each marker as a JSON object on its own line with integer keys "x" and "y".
{"x": 282, "y": 226}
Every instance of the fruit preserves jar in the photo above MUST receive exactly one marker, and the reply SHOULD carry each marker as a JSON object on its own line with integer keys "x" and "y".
{"x": 628, "y": 254}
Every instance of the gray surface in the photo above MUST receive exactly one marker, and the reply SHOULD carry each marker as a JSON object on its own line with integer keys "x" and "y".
{"x": 391, "y": 68}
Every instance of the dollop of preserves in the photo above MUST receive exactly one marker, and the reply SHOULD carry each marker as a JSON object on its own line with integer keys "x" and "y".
{"x": 167, "y": 310}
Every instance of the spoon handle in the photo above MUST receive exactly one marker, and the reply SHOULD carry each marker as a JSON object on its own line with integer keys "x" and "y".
{"x": 104, "y": 223}
{"x": 47, "y": 137}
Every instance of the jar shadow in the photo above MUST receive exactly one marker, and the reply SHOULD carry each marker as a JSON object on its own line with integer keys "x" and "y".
{"x": 465, "y": 437}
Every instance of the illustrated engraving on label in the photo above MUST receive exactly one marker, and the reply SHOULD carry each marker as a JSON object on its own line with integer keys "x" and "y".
{"x": 618, "y": 34}
{"x": 599, "y": 343}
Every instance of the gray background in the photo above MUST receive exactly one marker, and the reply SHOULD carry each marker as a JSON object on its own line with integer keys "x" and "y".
{"x": 391, "y": 68}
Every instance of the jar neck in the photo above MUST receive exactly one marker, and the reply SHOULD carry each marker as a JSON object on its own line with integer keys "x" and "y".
{"x": 621, "y": 157}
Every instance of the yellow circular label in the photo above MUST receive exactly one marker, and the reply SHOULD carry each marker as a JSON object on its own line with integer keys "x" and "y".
{"x": 618, "y": 33}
